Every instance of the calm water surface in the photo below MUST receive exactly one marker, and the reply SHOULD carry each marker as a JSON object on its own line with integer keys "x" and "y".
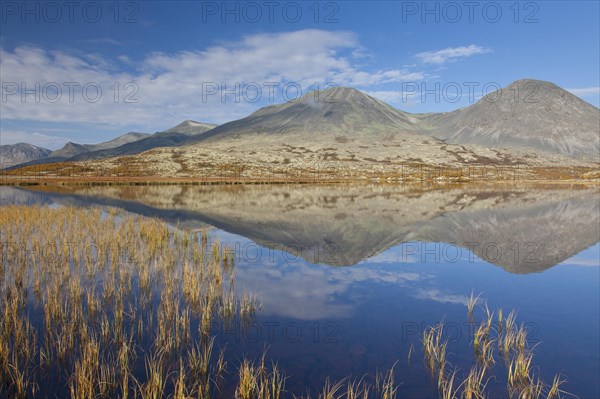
{"x": 349, "y": 276}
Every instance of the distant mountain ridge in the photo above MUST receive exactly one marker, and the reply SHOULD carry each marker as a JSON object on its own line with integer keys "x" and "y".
{"x": 527, "y": 113}
{"x": 126, "y": 144}
{"x": 190, "y": 127}
{"x": 531, "y": 116}
{"x": 14, "y": 154}
{"x": 72, "y": 149}
{"x": 116, "y": 142}
{"x": 341, "y": 113}
{"x": 69, "y": 150}
{"x": 172, "y": 137}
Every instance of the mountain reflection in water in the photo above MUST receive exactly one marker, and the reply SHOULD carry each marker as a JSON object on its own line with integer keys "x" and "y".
{"x": 522, "y": 230}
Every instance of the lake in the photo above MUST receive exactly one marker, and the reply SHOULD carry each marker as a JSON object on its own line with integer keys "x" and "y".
{"x": 349, "y": 276}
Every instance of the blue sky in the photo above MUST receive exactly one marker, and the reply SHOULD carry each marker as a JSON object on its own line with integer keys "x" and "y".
{"x": 158, "y": 63}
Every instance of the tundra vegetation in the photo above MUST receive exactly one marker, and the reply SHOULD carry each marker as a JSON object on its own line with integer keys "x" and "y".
{"x": 101, "y": 304}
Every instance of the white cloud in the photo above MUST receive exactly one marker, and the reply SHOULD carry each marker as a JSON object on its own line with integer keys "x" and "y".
{"x": 450, "y": 54}
{"x": 388, "y": 96}
{"x": 105, "y": 40}
{"x": 361, "y": 53}
{"x": 436, "y": 295}
{"x": 586, "y": 91}
{"x": 169, "y": 87}
{"x": 125, "y": 59}
{"x": 353, "y": 77}
{"x": 582, "y": 262}
{"x": 324, "y": 292}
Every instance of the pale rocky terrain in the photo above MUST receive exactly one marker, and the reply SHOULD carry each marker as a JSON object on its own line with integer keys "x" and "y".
{"x": 255, "y": 161}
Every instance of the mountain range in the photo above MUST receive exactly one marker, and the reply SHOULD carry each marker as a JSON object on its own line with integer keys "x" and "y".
{"x": 126, "y": 144}
{"x": 529, "y": 119}
{"x": 72, "y": 149}
{"x": 15, "y": 154}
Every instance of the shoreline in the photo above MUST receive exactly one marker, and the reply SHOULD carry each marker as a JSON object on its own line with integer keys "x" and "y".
{"x": 70, "y": 175}
{"x": 169, "y": 181}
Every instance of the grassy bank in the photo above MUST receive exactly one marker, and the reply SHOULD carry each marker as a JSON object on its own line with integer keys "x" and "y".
{"x": 76, "y": 174}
